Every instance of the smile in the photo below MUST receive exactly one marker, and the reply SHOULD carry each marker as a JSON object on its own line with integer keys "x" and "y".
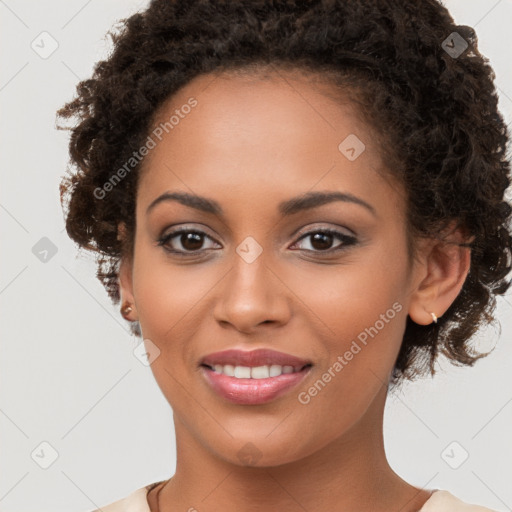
{"x": 253, "y": 385}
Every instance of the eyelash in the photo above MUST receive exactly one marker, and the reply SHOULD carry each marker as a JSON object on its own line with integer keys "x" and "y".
{"x": 346, "y": 239}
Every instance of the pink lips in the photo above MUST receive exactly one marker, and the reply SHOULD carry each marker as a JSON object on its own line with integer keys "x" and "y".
{"x": 253, "y": 391}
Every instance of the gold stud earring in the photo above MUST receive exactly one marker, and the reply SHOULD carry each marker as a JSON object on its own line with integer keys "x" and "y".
{"x": 126, "y": 310}
{"x": 434, "y": 317}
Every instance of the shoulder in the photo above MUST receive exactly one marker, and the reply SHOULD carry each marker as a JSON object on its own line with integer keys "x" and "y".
{"x": 444, "y": 501}
{"x": 136, "y": 501}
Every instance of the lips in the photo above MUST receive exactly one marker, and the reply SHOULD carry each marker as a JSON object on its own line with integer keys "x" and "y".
{"x": 252, "y": 391}
{"x": 253, "y": 358}
{"x": 253, "y": 377}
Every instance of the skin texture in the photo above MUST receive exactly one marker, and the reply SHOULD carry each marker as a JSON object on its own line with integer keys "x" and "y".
{"x": 249, "y": 144}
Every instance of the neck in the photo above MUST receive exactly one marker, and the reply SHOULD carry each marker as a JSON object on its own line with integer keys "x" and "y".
{"x": 350, "y": 473}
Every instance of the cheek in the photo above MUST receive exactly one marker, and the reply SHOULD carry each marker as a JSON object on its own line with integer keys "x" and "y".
{"x": 173, "y": 303}
{"x": 358, "y": 293}
{"x": 363, "y": 312}
{"x": 362, "y": 324}
{"x": 169, "y": 297}
{"x": 162, "y": 288}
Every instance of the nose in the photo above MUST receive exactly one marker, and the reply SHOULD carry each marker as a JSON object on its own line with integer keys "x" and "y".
{"x": 252, "y": 294}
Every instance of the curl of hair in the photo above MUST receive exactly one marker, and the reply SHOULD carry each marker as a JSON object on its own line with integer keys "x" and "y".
{"x": 436, "y": 116}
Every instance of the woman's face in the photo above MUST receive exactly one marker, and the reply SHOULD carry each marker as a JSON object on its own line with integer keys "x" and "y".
{"x": 260, "y": 275}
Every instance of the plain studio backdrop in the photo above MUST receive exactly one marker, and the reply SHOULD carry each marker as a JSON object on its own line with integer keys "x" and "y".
{"x": 83, "y": 422}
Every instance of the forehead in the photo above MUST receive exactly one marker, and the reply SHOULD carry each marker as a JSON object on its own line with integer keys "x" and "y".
{"x": 279, "y": 108}
{"x": 259, "y": 137}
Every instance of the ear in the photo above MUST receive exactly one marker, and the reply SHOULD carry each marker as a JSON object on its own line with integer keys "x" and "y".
{"x": 441, "y": 271}
{"x": 125, "y": 277}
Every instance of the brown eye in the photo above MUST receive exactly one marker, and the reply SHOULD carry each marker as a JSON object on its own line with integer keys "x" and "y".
{"x": 183, "y": 241}
{"x": 322, "y": 240}
{"x": 191, "y": 241}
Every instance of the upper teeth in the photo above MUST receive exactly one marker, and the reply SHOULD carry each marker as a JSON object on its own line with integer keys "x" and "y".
{"x": 255, "y": 372}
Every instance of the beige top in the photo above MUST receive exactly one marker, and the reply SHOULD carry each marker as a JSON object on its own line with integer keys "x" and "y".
{"x": 440, "y": 501}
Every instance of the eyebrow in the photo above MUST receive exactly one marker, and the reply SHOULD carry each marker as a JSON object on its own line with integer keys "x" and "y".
{"x": 286, "y": 208}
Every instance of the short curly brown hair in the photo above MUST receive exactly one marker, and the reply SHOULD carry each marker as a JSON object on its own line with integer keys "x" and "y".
{"x": 435, "y": 112}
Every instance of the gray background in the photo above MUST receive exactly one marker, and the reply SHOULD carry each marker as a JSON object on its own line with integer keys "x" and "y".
{"x": 68, "y": 376}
